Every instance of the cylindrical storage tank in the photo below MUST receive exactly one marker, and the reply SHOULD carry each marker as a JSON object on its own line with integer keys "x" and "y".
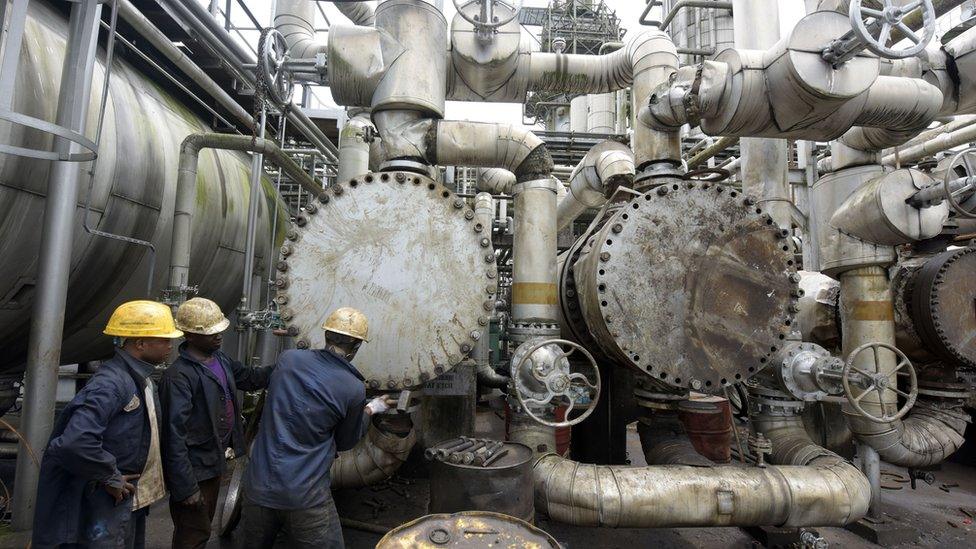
{"x": 708, "y": 422}
{"x": 504, "y": 486}
{"x": 601, "y": 114}
{"x": 133, "y": 195}
{"x": 577, "y": 114}
{"x": 417, "y": 77}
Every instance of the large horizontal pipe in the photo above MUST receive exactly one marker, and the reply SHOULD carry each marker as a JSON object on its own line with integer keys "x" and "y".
{"x": 667, "y": 496}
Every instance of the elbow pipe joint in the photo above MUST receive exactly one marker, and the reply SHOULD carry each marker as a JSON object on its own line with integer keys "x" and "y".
{"x": 374, "y": 459}
{"x": 456, "y": 143}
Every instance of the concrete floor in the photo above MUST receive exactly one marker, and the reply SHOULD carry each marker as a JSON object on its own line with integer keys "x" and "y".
{"x": 937, "y": 514}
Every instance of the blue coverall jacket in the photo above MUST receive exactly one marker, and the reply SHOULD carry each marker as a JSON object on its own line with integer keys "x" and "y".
{"x": 193, "y": 403}
{"x": 314, "y": 408}
{"x": 101, "y": 435}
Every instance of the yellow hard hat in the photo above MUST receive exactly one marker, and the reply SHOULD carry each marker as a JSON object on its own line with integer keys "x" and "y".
{"x": 142, "y": 319}
{"x": 201, "y": 316}
{"x": 347, "y": 321}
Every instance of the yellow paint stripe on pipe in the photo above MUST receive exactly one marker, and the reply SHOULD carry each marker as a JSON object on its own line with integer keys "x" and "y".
{"x": 535, "y": 293}
{"x": 873, "y": 310}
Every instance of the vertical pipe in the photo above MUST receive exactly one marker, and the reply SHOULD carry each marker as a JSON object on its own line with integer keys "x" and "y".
{"x": 354, "y": 147}
{"x": 577, "y": 114}
{"x": 47, "y": 318}
{"x": 871, "y": 467}
{"x": 764, "y": 162}
{"x": 253, "y": 200}
{"x": 534, "y": 277}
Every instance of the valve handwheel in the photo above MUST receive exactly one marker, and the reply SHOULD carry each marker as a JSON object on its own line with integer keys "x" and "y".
{"x": 558, "y": 383}
{"x": 480, "y": 21}
{"x": 966, "y": 208}
{"x": 878, "y": 381}
{"x": 887, "y": 19}
{"x": 272, "y": 55}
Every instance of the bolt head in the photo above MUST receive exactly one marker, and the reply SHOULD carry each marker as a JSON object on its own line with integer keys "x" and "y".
{"x": 475, "y": 335}
{"x": 282, "y": 266}
{"x": 617, "y": 227}
{"x": 458, "y": 203}
{"x": 391, "y": 384}
{"x": 485, "y": 242}
{"x": 324, "y": 198}
{"x": 400, "y": 177}
{"x": 662, "y": 190}
{"x": 292, "y": 234}
{"x": 469, "y": 215}
{"x": 311, "y": 208}
{"x": 605, "y": 256}
{"x": 286, "y": 250}
{"x": 465, "y": 348}
{"x": 489, "y": 258}
{"x": 482, "y": 320}
{"x": 293, "y": 331}
{"x": 301, "y": 221}
{"x": 301, "y": 344}
{"x": 374, "y": 384}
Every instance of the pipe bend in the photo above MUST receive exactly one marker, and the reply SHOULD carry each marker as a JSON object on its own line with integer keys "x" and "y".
{"x": 374, "y": 459}
{"x": 490, "y": 145}
{"x": 927, "y": 436}
{"x": 495, "y": 180}
{"x": 605, "y": 167}
{"x": 359, "y": 12}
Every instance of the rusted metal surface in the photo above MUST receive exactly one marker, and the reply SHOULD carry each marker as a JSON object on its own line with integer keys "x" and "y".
{"x": 405, "y": 251}
{"x": 470, "y": 529}
{"x": 708, "y": 422}
{"x": 942, "y": 305}
{"x": 504, "y": 485}
{"x": 691, "y": 284}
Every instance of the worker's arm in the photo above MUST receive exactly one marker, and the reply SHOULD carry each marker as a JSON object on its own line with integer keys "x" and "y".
{"x": 250, "y": 379}
{"x": 176, "y": 395}
{"x": 79, "y": 448}
{"x": 353, "y": 426}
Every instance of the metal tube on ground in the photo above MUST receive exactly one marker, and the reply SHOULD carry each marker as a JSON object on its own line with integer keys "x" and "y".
{"x": 47, "y": 316}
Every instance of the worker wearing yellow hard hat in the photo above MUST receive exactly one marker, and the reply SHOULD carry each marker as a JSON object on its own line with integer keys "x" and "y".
{"x": 314, "y": 408}
{"x": 200, "y": 404}
{"x": 108, "y": 436}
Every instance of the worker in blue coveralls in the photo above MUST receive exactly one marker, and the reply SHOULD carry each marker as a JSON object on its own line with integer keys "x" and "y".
{"x": 102, "y": 468}
{"x": 316, "y": 406}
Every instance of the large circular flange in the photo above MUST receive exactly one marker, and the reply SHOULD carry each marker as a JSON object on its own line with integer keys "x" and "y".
{"x": 942, "y": 298}
{"x": 405, "y": 251}
{"x": 692, "y": 284}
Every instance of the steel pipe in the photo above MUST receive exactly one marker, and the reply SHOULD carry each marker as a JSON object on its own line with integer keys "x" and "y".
{"x": 681, "y": 4}
{"x": 360, "y": 13}
{"x": 186, "y": 190}
{"x": 934, "y": 145}
{"x": 495, "y": 181}
{"x": 488, "y": 145}
{"x": 354, "y": 143}
{"x": 712, "y": 150}
{"x": 669, "y": 496}
{"x": 154, "y": 36}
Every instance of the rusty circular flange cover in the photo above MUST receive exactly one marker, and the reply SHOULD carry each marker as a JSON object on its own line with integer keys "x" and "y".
{"x": 942, "y": 305}
{"x": 692, "y": 284}
{"x": 405, "y": 251}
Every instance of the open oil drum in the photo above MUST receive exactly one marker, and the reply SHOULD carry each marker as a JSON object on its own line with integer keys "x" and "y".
{"x": 469, "y": 529}
{"x": 505, "y": 486}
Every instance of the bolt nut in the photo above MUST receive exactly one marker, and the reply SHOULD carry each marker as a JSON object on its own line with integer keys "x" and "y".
{"x": 489, "y": 258}
{"x": 749, "y": 201}
{"x": 488, "y": 305}
{"x": 469, "y": 215}
{"x": 311, "y": 208}
{"x": 617, "y": 227}
{"x": 391, "y": 384}
{"x": 293, "y": 331}
{"x": 478, "y": 227}
{"x": 795, "y": 278}
{"x": 337, "y": 190}
{"x": 482, "y": 321}
{"x": 696, "y": 384}
{"x": 281, "y": 282}
{"x": 438, "y": 370}
{"x": 281, "y": 299}
{"x": 302, "y": 344}
{"x": 324, "y": 198}
{"x": 301, "y": 221}
{"x": 458, "y": 203}
{"x": 605, "y": 256}
{"x": 794, "y": 308}
{"x": 286, "y": 250}
{"x": 400, "y": 177}
{"x": 797, "y": 293}
{"x": 282, "y": 265}
{"x": 491, "y": 274}
{"x": 465, "y": 348}
{"x": 374, "y": 384}
{"x": 292, "y": 234}
{"x": 475, "y": 335}
{"x": 490, "y": 289}
{"x": 287, "y": 315}
{"x": 782, "y": 233}
{"x": 485, "y": 242}
{"x": 662, "y": 190}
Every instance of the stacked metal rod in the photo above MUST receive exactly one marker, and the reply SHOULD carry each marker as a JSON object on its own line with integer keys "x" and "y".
{"x": 467, "y": 451}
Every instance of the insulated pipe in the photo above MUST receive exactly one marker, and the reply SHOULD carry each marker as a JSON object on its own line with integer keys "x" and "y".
{"x": 665, "y": 442}
{"x": 354, "y": 143}
{"x": 668, "y": 496}
{"x": 605, "y": 167}
{"x": 495, "y": 180}
{"x": 374, "y": 459}
{"x": 929, "y": 434}
{"x": 295, "y": 20}
{"x": 360, "y": 13}
{"x": 186, "y": 188}
{"x": 897, "y": 109}
{"x": 488, "y": 145}
{"x": 648, "y": 60}
{"x": 534, "y": 273}
{"x": 154, "y": 36}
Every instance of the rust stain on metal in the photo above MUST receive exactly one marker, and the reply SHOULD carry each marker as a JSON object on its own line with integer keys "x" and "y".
{"x": 537, "y": 293}
{"x": 872, "y": 310}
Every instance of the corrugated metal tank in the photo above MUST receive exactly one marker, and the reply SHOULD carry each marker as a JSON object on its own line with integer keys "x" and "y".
{"x": 133, "y": 195}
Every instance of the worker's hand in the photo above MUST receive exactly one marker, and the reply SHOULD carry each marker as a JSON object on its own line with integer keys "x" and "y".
{"x": 119, "y": 493}
{"x": 195, "y": 499}
{"x": 380, "y": 404}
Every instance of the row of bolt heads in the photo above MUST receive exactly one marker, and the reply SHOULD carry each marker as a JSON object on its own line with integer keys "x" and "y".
{"x": 467, "y": 451}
